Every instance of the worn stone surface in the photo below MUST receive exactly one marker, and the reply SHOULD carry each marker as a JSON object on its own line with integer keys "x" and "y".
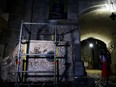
{"x": 44, "y": 47}
{"x": 8, "y": 67}
{"x": 8, "y": 72}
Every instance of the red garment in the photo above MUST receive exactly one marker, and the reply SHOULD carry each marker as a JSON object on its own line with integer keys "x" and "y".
{"x": 105, "y": 70}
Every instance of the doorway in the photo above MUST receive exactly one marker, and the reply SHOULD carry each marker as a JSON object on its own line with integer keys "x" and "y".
{"x": 90, "y": 53}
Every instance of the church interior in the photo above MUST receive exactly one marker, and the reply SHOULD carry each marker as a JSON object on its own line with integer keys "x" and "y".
{"x": 57, "y": 43}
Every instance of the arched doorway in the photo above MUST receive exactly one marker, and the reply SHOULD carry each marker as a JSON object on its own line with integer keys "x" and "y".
{"x": 98, "y": 25}
{"x": 90, "y": 53}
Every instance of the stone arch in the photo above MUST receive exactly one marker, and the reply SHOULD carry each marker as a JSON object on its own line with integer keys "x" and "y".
{"x": 105, "y": 39}
{"x": 97, "y": 24}
{"x": 89, "y": 53}
{"x": 92, "y": 8}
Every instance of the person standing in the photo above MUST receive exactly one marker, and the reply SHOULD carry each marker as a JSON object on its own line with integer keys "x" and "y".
{"x": 105, "y": 59}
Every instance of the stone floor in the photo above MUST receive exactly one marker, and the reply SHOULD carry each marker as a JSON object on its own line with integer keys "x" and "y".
{"x": 78, "y": 82}
{"x": 92, "y": 79}
{"x": 96, "y": 74}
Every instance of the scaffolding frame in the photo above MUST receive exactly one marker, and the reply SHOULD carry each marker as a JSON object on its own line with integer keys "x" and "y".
{"x": 19, "y": 55}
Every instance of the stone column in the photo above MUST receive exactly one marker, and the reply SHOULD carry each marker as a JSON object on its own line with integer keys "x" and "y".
{"x": 73, "y": 15}
{"x": 78, "y": 64}
{"x": 14, "y": 22}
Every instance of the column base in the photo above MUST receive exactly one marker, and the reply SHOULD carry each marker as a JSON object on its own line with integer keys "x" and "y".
{"x": 79, "y": 69}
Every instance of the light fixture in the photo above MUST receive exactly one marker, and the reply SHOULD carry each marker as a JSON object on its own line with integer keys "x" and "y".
{"x": 91, "y": 45}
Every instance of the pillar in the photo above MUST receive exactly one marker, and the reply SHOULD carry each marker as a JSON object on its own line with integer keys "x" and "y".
{"x": 78, "y": 64}
{"x": 14, "y": 22}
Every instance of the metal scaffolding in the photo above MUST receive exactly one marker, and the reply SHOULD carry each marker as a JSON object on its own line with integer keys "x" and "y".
{"x": 22, "y": 72}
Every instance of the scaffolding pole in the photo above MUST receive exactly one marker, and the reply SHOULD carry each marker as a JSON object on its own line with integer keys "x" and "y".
{"x": 55, "y": 42}
{"x": 18, "y": 56}
{"x": 28, "y": 55}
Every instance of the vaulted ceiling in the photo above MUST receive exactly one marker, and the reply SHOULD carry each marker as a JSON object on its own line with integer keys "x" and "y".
{"x": 95, "y": 22}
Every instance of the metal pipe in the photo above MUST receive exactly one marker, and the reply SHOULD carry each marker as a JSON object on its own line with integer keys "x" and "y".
{"x": 28, "y": 54}
{"x": 34, "y": 23}
{"x": 45, "y": 76}
{"x": 28, "y": 23}
{"x": 54, "y": 56}
{"x": 35, "y": 84}
{"x": 36, "y": 72}
{"x": 25, "y": 59}
{"x": 55, "y": 59}
{"x": 27, "y": 29}
{"x": 57, "y": 66}
{"x": 41, "y": 34}
{"x": 44, "y": 41}
{"x": 45, "y": 57}
{"x": 19, "y": 49}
